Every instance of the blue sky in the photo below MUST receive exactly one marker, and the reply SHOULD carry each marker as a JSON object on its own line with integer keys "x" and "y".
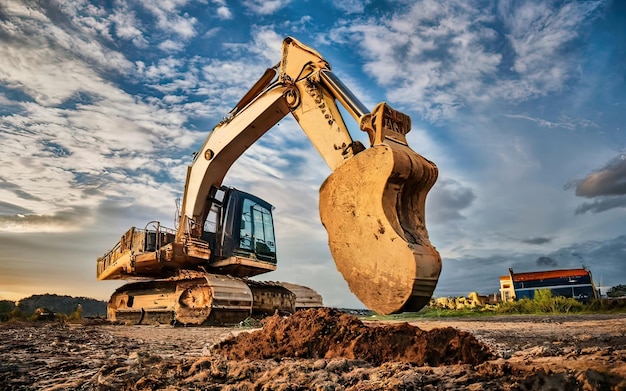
{"x": 521, "y": 105}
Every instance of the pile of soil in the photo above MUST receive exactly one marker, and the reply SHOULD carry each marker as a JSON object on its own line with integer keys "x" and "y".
{"x": 327, "y": 334}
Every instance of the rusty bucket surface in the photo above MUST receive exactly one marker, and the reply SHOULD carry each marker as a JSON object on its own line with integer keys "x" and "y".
{"x": 373, "y": 210}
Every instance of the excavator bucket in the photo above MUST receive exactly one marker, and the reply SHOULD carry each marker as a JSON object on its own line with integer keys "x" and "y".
{"x": 372, "y": 207}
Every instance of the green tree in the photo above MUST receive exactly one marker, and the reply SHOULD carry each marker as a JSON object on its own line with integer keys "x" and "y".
{"x": 544, "y": 301}
{"x": 616, "y": 291}
{"x": 77, "y": 315}
{"x": 17, "y": 314}
{"x": 6, "y": 306}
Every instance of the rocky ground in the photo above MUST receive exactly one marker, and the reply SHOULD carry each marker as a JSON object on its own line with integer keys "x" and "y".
{"x": 321, "y": 350}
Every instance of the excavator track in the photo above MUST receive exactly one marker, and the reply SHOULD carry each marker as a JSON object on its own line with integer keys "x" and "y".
{"x": 200, "y": 298}
{"x": 305, "y": 296}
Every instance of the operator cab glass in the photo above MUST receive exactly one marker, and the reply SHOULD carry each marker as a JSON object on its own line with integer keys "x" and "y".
{"x": 239, "y": 224}
{"x": 256, "y": 231}
{"x": 239, "y": 229}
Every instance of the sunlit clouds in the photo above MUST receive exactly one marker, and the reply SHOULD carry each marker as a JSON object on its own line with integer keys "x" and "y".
{"x": 520, "y": 105}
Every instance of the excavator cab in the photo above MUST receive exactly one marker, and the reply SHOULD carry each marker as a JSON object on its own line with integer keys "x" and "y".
{"x": 240, "y": 231}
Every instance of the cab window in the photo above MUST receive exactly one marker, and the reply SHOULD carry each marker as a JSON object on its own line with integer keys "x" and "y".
{"x": 256, "y": 232}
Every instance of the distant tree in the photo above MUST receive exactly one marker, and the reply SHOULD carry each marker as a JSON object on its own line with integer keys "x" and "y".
{"x": 542, "y": 303}
{"x": 543, "y": 295}
{"x": 77, "y": 314}
{"x": 17, "y": 314}
{"x": 616, "y": 291}
{"x": 6, "y": 306}
{"x": 63, "y": 304}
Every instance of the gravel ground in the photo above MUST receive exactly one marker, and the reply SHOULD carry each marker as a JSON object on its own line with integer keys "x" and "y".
{"x": 575, "y": 352}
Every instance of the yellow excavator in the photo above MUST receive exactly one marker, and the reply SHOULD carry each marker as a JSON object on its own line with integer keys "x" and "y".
{"x": 372, "y": 206}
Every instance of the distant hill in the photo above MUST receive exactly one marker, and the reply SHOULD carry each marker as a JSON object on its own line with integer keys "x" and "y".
{"x": 63, "y": 304}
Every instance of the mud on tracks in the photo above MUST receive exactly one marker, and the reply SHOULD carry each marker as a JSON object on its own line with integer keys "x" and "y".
{"x": 327, "y": 334}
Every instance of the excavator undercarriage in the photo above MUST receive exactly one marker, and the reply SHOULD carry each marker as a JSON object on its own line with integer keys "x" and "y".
{"x": 372, "y": 206}
{"x": 200, "y": 298}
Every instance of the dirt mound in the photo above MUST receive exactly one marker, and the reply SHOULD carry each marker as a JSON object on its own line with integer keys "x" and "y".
{"x": 326, "y": 333}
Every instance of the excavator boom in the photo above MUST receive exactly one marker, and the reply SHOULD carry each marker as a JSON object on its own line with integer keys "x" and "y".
{"x": 372, "y": 205}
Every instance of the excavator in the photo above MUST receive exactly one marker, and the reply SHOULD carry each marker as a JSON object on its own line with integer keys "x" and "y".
{"x": 372, "y": 207}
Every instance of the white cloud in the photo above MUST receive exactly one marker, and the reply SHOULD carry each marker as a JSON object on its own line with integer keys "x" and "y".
{"x": 89, "y": 163}
{"x": 563, "y": 122}
{"x": 51, "y": 75}
{"x": 106, "y": 144}
{"x": 536, "y": 29}
{"x": 60, "y": 222}
{"x": 89, "y": 18}
{"x": 431, "y": 57}
{"x": 265, "y": 7}
{"x": 59, "y": 159}
{"x": 266, "y": 42}
{"x": 352, "y": 6}
{"x": 165, "y": 68}
{"x": 171, "y": 46}
{"x": 539, "y": 33}
{"x": 436, "y": 58}
{"x": 302, "y": 25}
{"x": 127, "y": 26}
{"x": 38, "y": 73}
{"x": 169, "y": 19}
{"x": 19, "y": 10}
{"x": 211, "y": 33}
{"x": 224, "y": 13}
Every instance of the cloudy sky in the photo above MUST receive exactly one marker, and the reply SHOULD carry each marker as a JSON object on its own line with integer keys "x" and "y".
{"x": 520, "y": 103}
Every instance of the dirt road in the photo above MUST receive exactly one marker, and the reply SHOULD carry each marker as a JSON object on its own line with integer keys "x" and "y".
{"x": 577, "y": 352}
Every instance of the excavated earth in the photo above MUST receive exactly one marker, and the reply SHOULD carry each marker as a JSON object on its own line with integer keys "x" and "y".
{"x": 329, "y": 334}
{"x": 321, "y": 349}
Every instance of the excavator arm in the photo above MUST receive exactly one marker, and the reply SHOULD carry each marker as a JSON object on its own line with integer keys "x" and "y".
{"x": 295, "y": 85}
{"x": 372, "y": 205}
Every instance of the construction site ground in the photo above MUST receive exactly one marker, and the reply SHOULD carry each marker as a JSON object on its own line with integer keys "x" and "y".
{"x": 321, "y": 350}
